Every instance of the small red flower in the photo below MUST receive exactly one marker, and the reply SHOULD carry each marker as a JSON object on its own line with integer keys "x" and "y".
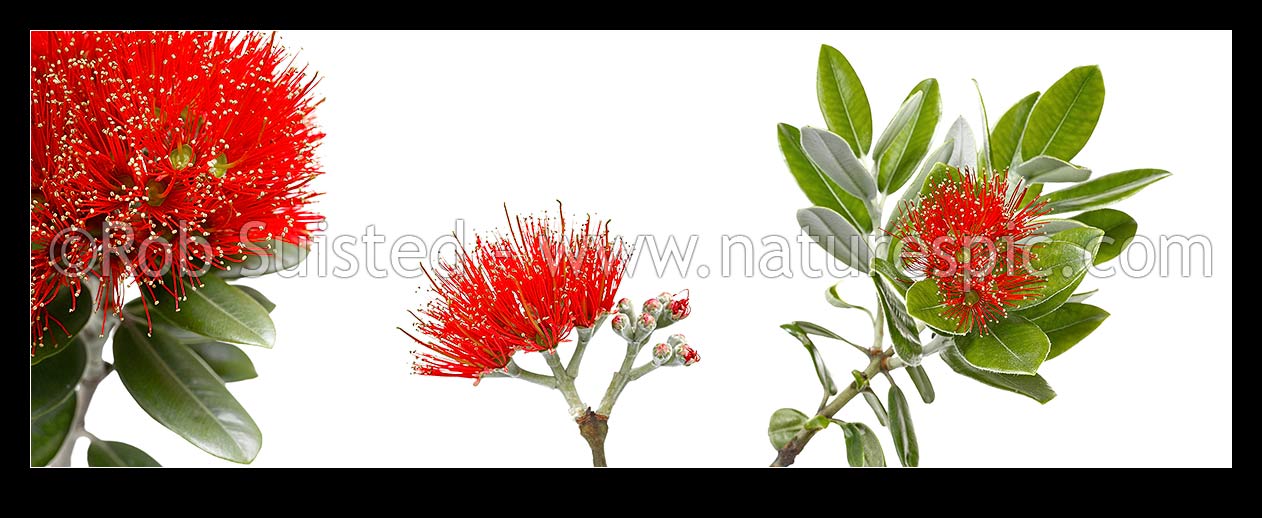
{"x": 967, "y": 235}
{"x": 524, "y": 291}
{"x": 162, "y": 148}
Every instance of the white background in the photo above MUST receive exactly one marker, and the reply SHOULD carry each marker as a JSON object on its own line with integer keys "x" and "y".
{"x": 673, "y": 133}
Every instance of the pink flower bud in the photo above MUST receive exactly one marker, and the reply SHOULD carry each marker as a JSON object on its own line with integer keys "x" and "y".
{"x": 662, "y": 354}
{"x": 625, "y": 306}
{"x": 620, "y": 321}
{"x": 676, "y": 339}
{"x": 647, "y": 324}
{"x": 652, "y": 307}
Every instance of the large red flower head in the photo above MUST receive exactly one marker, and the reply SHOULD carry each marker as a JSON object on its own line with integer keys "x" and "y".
{"x": 967, "y": 235}
{"x": 162, "y": 150}
{"x": 523, "y": 291}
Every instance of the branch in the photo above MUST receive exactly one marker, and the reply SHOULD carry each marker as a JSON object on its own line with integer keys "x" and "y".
{"x": 584, "y": 336}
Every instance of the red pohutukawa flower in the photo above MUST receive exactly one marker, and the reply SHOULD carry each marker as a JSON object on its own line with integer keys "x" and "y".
{"x": 162, "y": 148}
{"x": 967, "y": 235}
{"x": 522, "y": 292}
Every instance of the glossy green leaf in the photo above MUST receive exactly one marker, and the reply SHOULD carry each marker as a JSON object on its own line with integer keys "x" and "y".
{"x": 1054, "y": 302}
{"x": 113, "y": 454}
{"x": 1119, "y": 230}
{"x": 911, "y": 194}
{"x": 820, "y": 189}
{"x": 175, "y": 387}
{"x": 834, "y": 157}
{"x": 228, "y": 361}
{"x": 1069, "y": 324}
{"x": 1061, "y": 262}
{"x": 1005, "y": 139}
{"x": 909, "y": 139}
{"x": 53, "y": 400}
{"x": 940, "y": 172}
{"x": 67, "y": 314}
{"x": 843, "y": 101}
{"x": 902, "y": 329}
{"x": 1080, "y": 297}
{"x": 837, "y": 236}
{"x": 1012, "y": 345}
{"x": 896, "y": 278}
{"x": 56, "y": 377}
{"x": 821, "y": 370}
{"x": 874, "y": 402}
{"x": 1056, "y": 225}
{"x": 785, "y": 423}
{"x": 1048, "y": 169}
{"x": 1062, "y": 120}
{"x": 924, "y": 303}
{"x": 834, "y": 299}
{"x": 1102, "y": 190}
{"x": 49, "y": 429}
{"x": 902, "y": 430}
{"x": 920, "y": 378}
{"x": 258, "y": 297}
{"x": 264, "y": 257}
{"x": 217, "y": 310}
{"x": 1033, "y": 387}
{"x": 983, "y": 157}
{"x": 863, "y": 449}
{"x": 964, "y": 150}
{"x": 1032, "y": 192}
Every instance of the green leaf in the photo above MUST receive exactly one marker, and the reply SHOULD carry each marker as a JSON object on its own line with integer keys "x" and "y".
{"x": 113, "y": 454}
{"x": 1069, "y": 324}
{"x": 1079, "y": 297}
{"x": 1062, "y": 120}
{"x": 920, "y": 378}
{"x": 924, "y": 303}
{"x": 817, "y": 423}
{"x": 1056, "y": 225}
{"x": 1005, "y": 139}
{"x": 258, "y": 297}
{"x": 820, "y": 189}
{"x": 837, "y": 236}
{"x": 843, "y": 101}
{"x": 939, "y": 173}
{"x": 1033, "y": 387}
{"x": 1050, "y": 304}
{"x": 264, "y": 257}
{"x": 56, "y": 378}
{"x": 785, "y": 423}
{"x": 877, "y": 408}
{"x": 908, "y": 138}
{"x": 902, "y": 329}
{"x": 1103, "y": 190}
{"x": 175, "y": 387}
{"x": 217, "y": 310}
{"x": 835, "y": 300}
{"x": 1119, "y": 229}
{"x": 902, "y": 430}
{"x": 863, "y": 449}
{"x": 1061, "y": 261}
{"x": 228, "y": 361}
{"x": 1032, "y": 192}
{"x": 831, "y": 155}
{"x": 1013, "y": 345}
{"x": 53, "y": 400}
{"x": 983, "y": 158}
{"x": 891, "y": 273}
{"x": 964, "y": 149}
{"x": 67, "y": 314}
{"x": 49, "y": 430}
{"x": 821, "y": 370}
{"x": 1048, "y": 169}
{"x": 911, "y": 194}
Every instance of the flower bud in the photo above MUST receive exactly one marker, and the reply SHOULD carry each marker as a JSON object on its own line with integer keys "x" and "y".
{"x": 625, "y": 306}
{"x": 662, "y": 354}
{"x": 687, "y": 354}
{"x": 679, "y": 309}
{"x": 676, "y": 339}
{"x": 646, "y": 325}
{"x": 665, "y": 298}
{"x": 653, "y": 307}
{"x": 622, "y": 325}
